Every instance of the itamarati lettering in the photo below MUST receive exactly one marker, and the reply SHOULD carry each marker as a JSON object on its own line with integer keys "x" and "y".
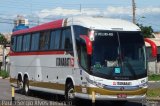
{"x": 64, "y": 62}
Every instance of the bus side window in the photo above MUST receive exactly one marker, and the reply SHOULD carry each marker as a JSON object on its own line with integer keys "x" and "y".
{"x": 66, "y": 43}
{"x": 81, "y": 46}
{"x": 52, "y": 40}
{"x": 26, "y": 42}
{"x": 13, "y": 43}
{"x": 44, "y": 40}
{"x": 82, "y": 53}
{"x": 35, "y": 42}
{"x": 57, "y": 39}
{"x": 19, "y": 44}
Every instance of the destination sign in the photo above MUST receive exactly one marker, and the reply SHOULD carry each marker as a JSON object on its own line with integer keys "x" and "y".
{"x": 103, "y": 34}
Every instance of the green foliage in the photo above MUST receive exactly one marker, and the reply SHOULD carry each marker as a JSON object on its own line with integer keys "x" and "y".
{"x": 146, "y": 31}
{"x": 2, "y": 39}
{"x": 154, "y": 77}
{"x": 4, "y": 74}
{"x": 155, "y": 92}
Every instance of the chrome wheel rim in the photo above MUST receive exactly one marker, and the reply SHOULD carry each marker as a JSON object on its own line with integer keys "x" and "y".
{"x": 71, "y": 93}
{"x": 20, "y": 84}
{"x": 26, "y": 88}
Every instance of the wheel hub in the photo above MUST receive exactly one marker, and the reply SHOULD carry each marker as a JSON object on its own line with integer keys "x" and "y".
{"x": 26, "y": 88}
{"x": 71, "y": 94}
{"x": 20, "y": 84}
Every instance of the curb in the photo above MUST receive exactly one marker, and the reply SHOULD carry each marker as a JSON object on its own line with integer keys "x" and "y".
{"x": 5, "y": 78}
{"x": 153, "y": 98}
{"x": 153, "y": 81}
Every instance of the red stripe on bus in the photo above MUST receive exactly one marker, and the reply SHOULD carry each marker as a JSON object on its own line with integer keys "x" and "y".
{"x": 46, "y": 26}
{"x": 36, "y": 53}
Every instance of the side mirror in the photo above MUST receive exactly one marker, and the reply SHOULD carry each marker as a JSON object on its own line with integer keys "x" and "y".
{"x": 88, "y": 43}
{"x": 153, "y": 45}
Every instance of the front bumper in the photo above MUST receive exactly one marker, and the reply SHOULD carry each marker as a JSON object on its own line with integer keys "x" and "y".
{"x": 111, "y": 97}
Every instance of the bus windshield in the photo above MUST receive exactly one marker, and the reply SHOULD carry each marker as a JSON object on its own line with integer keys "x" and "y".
{"x": 118, "y": 55}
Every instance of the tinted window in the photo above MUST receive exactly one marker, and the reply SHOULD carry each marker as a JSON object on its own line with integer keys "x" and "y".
{"x": 35, "y": 41}
{"x": 79, "y": 30}
{"x": 44, "y": 40}
{"x": 13, "y": 43}
{"x": 57, "y": 39}
{"x": 52, "y": 40}
{"x": 118, "y": 55}
{"x": 149, "y": 53}
{"x": 82, "y": 54}
{"x": 66, "y": 39}
{"x": 19, "y": 44}
{"x": 26, "y": 42}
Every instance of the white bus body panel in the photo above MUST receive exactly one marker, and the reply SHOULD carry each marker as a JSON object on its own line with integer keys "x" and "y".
{"x": 42, "y": 68}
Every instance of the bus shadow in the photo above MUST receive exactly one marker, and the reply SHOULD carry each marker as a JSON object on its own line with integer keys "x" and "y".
{"x": 43, "y": 95}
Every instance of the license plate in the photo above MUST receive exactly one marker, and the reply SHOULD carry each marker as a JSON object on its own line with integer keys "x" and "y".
{"x": 121, "y": 96}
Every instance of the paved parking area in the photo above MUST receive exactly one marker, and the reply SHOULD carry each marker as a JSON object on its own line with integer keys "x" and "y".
{"x": 45, "y": 98}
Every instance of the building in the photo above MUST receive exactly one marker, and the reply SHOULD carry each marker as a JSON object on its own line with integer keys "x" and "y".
{"x": 20, "y": 23}
{"x": 153, "y": 53}
{"x": 6, "y": 51}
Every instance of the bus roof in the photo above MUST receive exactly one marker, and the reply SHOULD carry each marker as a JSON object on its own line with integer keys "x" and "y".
{"x": 49, "y": 25}
{"x": 103, "y": 23}
{"x": 89, "y": 22}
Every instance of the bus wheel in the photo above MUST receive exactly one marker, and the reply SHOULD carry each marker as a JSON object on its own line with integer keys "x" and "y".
{"x": 69, "y": 95}
{"x": 26, "y": 86}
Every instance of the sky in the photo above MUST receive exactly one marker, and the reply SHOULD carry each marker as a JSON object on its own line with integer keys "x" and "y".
{"x": 41, "y": 11}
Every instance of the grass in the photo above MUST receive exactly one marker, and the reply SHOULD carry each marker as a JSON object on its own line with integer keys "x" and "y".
{"x": 155, "y": 92}
{"x": 154, "y": 77}
{"x": 4, "y": 74}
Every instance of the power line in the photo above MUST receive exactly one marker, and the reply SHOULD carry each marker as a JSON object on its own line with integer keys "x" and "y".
{"x": 28, "y": 6}
{"x": 7, "y": 22}
{"x": 32, "y": 18}
{"x": 41, "y": 3}
{"x": 31, "y": 21}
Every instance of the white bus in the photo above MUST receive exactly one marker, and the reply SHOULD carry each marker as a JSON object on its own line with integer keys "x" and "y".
{"x": 81, "y": 57}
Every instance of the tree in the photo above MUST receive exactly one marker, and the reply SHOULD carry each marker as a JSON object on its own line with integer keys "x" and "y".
{"x": 146, "y": 31}
{"x": 3, "y": 40}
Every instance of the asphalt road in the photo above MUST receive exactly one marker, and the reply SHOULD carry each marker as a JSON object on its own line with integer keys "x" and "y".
{"x": 45, "y": 98}
{"x": 154, "y": 85}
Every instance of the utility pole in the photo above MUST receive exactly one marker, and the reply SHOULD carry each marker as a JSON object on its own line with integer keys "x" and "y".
{"x": 4, "y": 60}
{"x": 134, "y": 11}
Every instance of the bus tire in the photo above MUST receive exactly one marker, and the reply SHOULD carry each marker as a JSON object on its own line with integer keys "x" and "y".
{"x": 26, "y": 86}
{"x": 69, "y": 94}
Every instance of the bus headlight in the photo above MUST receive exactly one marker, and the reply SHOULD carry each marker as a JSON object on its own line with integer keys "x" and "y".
{"x": 98, "y": 84}
{"x": 144, "y": 85}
